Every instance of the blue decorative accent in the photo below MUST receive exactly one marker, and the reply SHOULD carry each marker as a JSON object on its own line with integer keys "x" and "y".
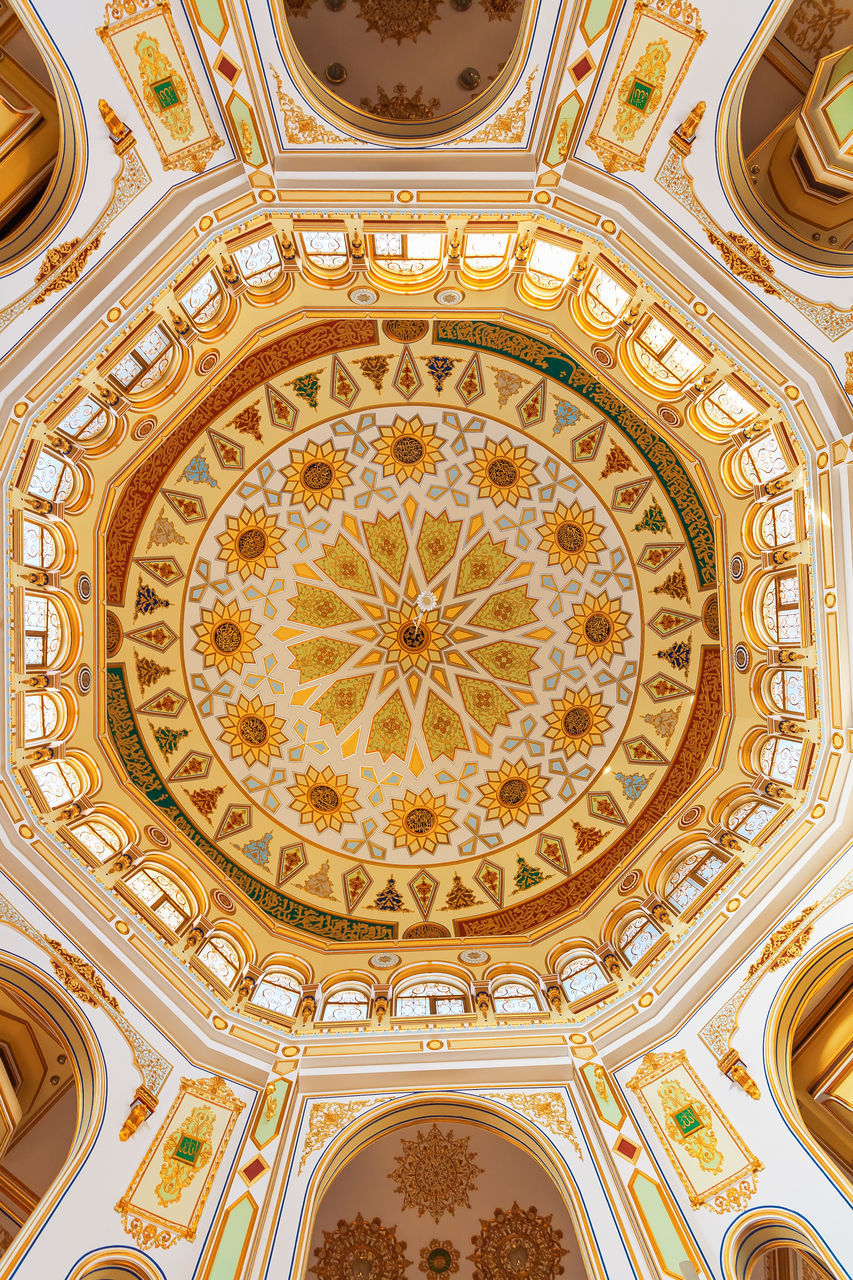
{"x": 196, "y": 471}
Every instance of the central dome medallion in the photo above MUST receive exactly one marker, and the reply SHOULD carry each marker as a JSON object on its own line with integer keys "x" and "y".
{"x": 425, "y": 668}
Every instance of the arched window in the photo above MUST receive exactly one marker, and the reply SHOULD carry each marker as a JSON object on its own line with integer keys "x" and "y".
{"x": 259, "y": 263}
{"x": 514, "y": 997}
{"x": 691, "y": 876}
{"x": 581, "y": 976}
{"x": 58, "y": 781}
{"x": 38, "y": 548}
{"x": 42, "y": 631}
{"x": 347, "y": 1004}
{"x": 204, "y": 299}
{"x": 637, "y": 937}
{"x": 750, "y": 818}
{"x": 604, "y": 298}
{"x": 102, "y": 840}
{"x": 424, "y": 999}
{"x": 326, "y": 249}
{"x": 222, "y": 958}
{"x": 86, "y": 420}
{"x": 780, "y": 759}
{"x": 485, "y": 252}
{"x": 146, "y": 363}
{"x": 780, "y": 608}
{"x": 279, "y": 992}
{"x": 762, "y": 459}
{"x": 549, "y": 266}
{"x": 778, "y": 525}
{"x": 407, "y": 253}
{"x": 163, "y": 897}
{"x": 52, "y": 479}
{"x": 42, "y": 716}
{"x": 788, "y": 691}
{"x": 725, "y": 407}
{"x": 663, "y": 356}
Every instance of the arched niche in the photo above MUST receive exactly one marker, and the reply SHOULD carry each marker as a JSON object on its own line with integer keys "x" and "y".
{"x": 115, "y": 1264}
{"x": 42, "y": 148}
{"x": 42, "y": 1040}
{"x": 810, "y": 1055}
{"x": 519, "y": 1164}
{"x": 775, "y": 1244}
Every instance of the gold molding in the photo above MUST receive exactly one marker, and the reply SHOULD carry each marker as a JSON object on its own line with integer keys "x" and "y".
{"x": 784, "y": 945}
{"x": 153, "y": 1068}
{"x": 548, "y": 1110}
{"x": 744, "y": 259}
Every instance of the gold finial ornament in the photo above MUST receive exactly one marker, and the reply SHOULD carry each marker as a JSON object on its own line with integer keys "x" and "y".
{"x": 688, "y": 128}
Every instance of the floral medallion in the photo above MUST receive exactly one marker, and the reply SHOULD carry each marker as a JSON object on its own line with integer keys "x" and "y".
{"x": 435, "y": 1173}
{"x": 448, "y": 650}
{"x": 364, "y": 1242}
{"x": 517, "y": 1242}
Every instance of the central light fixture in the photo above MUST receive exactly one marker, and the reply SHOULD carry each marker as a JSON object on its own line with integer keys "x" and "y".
{"x": 518, "y": 1256}
{"x": 425, "y": 601}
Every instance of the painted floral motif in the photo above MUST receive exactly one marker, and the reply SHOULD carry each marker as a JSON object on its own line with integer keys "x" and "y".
{"x": 251, "y": 543}
{"x": 393, "y": 688}
{"x": 226, "y": 636}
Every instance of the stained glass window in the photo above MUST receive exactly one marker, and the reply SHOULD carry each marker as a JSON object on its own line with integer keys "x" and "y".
{"x": 88, "y": 418}
{"x": 549, "y": 264}
{"x": 101, "y": 841}
{"x": 278, "y": 992}
{"x": 426, "y": 999}
{"x": 664, "y": 356}
{"x": 637, "y": 937}
{"x": 52, "y": 478}
{"x": 690, "y": 876}
{"x": 326, "y": 249}
{"x": 163, "y": 896}
{"x": 42, "y": 631}
{"x": 604, "y": 298}
{"x": 778, "y": 525}
{"x": 222, "y": 958}
{"x": 788, "y": 691}
{"x": 41, "y": 716}
{"x": 146, "y": 363}
{"x": 58, "y": 781}
{"x": 407, "y": 253}
{"x": 38, "y": 545}
{"x": 347, "y": 1005}
{"x": 750, "y": 819}
{"x": 726, "y": 407}
{"x": 581, "y": 977}
{"x": 259, "y": 263}
{"x": 780, "y": 608}
{"x": 485, "y": 251}
{"x": 514, "y": 997}
{"x": 203, "y": 300}
{"x": 762, "y": 459}
{"x": 780, "y": 759}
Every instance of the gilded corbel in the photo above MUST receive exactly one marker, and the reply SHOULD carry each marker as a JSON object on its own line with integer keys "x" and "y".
{"x": 144, "y": 1103}
{"x": 732, "y": 1066}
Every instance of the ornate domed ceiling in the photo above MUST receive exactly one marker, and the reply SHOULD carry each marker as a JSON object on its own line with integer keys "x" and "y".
{"x": 408, "y": 623}
{"x": 423, "y": 65}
